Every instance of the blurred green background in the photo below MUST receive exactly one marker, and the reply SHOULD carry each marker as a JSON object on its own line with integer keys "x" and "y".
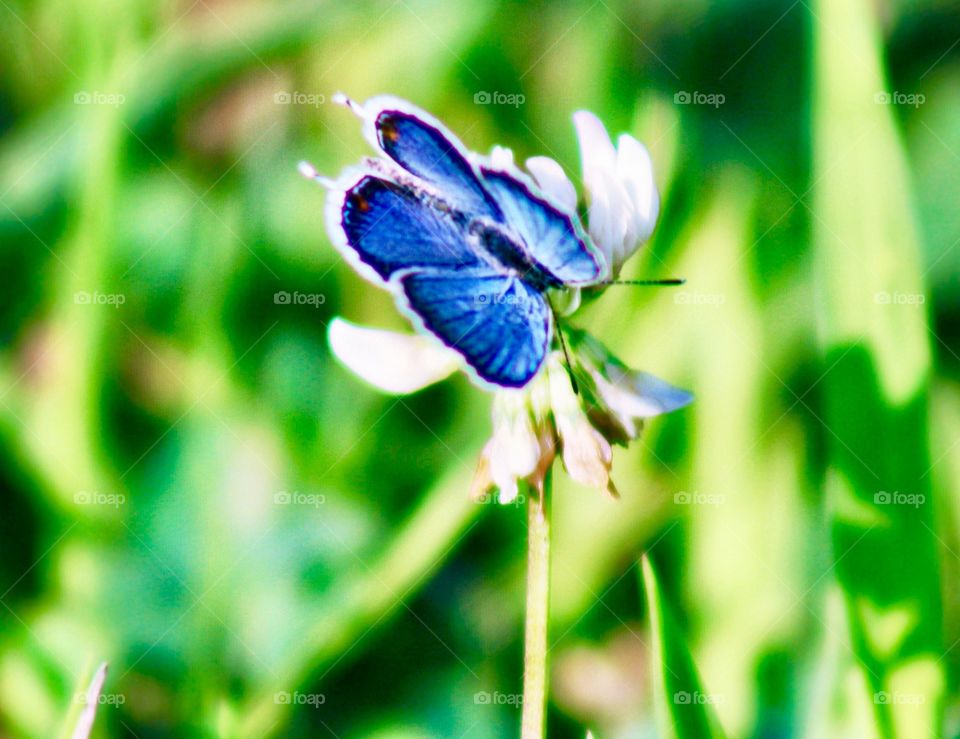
{"x": 261, "y": 545}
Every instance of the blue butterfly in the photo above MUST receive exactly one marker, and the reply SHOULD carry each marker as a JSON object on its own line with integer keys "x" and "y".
{"x": 469, "y": 250}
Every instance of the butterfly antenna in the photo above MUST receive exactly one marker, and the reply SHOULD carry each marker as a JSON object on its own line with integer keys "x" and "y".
{"x": 563, "y": 346}
{"x": 341, "y": 99}
{"x": 310, "y": 172}
{"x": 668, "y": 282}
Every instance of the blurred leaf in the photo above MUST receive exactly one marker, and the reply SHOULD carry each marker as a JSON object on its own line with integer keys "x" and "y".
{"x": 874, "y": 337}
{"x": 366, "y": 600}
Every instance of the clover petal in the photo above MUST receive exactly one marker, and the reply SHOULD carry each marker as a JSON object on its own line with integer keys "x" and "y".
{"x": 609, "y": 213}
{"x": 501, "y": 157}
{"x": 393, "y": 362}
{"x": 636, "y": 173}
{"x": 624, "y": 203}
{"x": 630, "y": 397}
{"x": 553, "y": 181}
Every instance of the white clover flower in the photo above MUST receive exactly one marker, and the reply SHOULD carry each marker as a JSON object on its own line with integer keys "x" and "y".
{"x": 624, "y": 202}
{"x": 587, "y": 455}
{"x": 530, "y": 425}
{"x": 547, "y": 417}
{"x": 623, "y": 198}
{"x": 517, "y": 448}
{"x": 623, "y": 397}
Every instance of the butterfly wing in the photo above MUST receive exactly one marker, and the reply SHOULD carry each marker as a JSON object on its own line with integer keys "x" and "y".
{"x": 499, "y": 324}
{"x": 425, "y": 148}
{"x": 554, "y": 238}
{"x": 417, "y": 238}
{"x": 388, "y": 227}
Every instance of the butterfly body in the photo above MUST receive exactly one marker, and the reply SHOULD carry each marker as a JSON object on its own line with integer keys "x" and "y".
{"x": 469, "y": 250}
{"x": 507, "y": 253}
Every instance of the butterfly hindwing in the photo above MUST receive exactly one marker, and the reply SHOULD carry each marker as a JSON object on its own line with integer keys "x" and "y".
{"x": 498, "y": 323}
{"x": 550, "y": 235}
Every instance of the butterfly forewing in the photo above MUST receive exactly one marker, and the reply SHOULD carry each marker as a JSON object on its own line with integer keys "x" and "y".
{"x": 392, "y": 228}
{"x": 424, "y": 151}
{"x": 550, "y": 236}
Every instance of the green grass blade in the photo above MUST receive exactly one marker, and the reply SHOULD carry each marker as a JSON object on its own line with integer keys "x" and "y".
{"x": 684, "y": 709}
{"x": 83, "y": 712}
{"x": 873, "y": 334}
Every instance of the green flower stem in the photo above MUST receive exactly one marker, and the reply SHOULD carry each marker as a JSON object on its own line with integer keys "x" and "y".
{"x": 538, "y": 612}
